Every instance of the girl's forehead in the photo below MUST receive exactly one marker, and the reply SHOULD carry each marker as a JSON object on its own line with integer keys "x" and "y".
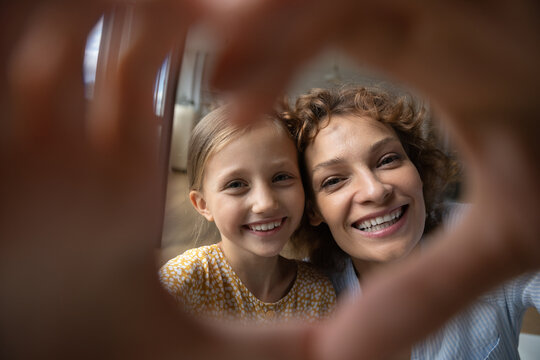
{"x": 263, "y": 135}
{"x": 258, "y": 151}
{"x": 236, "y": 132}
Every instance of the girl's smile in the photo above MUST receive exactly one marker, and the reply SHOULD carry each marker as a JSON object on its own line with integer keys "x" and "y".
{"x": 266, "y": 228}
{"x": 256, "y": 205}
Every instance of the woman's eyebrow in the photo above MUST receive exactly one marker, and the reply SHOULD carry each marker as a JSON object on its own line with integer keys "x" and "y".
{"x": 328, "y": 163}
{"x": 338, "y": 160}
{"x": 381, "y": 143}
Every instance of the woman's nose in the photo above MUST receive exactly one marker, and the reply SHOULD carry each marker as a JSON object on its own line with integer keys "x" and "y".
{"x": 370, "y": 188}
{"x": 264, "y": 200}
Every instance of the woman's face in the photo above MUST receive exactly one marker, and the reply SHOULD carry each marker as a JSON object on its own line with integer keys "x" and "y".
{"x": 366, "y": 189}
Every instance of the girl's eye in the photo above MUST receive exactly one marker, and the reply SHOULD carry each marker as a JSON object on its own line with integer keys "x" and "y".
{"x": 389, "y": 159}
{"x": 235, "y": 184}
{"x": 281, "y": 177}
{"x": 330, "y": 182}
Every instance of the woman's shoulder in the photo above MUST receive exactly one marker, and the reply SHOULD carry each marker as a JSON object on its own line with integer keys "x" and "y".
{"x": 522, "y": 291}
{"x": 345, "y": 279}
{"x": 487, "y": 328}
{"x": 454, "y": 212}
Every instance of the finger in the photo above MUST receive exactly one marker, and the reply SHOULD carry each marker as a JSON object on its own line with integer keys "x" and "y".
{"x": 454, "y": 54}
{"x": 449, "y": 51}
{"x": 45, "y": 117}
{"x": 260, "y": 62}
{"x": 259, "y": 48}
{"x": 142, "y": 35}
{"x": 124, "y": 130}
{"x": 297, "y": 30}
{"x": 45, "y": 73}
{"x": 418, "y": 296}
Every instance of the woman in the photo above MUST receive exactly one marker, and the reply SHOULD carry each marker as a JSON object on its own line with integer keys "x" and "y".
{"x": 376, "y": 186}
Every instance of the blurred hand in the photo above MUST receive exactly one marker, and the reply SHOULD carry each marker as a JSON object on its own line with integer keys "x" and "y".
{"x": 477, "y": 64}
{"x": 81, "y": 193}
{"x": 464, "y": 56}
{"x": 80, "y": 188}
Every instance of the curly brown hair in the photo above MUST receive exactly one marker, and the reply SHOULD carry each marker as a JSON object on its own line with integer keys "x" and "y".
{"x": 313, "y": 111}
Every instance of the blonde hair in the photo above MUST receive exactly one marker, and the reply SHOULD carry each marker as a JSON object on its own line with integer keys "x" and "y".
{"x": 212, "y": 133}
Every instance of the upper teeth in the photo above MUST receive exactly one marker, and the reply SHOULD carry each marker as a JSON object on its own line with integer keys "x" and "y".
{"x": 377, "y": 221}
{"x": 265, "y": 227}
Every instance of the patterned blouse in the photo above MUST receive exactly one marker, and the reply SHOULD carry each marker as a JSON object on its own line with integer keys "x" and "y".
{"x": 205, "y": 283}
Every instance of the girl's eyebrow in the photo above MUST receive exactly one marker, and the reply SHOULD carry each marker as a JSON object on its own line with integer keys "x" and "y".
{"x": 337, "y": 160}
{"x": 238, "y": 170}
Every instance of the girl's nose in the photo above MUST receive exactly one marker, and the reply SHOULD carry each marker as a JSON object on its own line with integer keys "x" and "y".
{"x": 371, "y": 189}
{"x": 264, "y": 200}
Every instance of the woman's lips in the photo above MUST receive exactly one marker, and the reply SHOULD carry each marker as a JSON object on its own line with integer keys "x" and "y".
{"x": 384, "y": 224}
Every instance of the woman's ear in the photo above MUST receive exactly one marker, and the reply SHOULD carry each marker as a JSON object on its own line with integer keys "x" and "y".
{"x": 198, "y": 202}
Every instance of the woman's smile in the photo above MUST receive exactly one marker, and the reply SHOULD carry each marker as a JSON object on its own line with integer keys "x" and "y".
{"x": 384, "y": 224}
{"x": 366, "y": 188}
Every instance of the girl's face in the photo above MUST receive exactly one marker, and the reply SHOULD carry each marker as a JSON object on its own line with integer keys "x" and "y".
{"x": 253, "y": 191}
{"x": 366, "y": 189}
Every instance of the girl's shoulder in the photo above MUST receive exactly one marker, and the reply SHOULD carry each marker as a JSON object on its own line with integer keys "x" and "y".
{"x": 311, "y": 277}
{"x": 190, "y": 267}
{"x": 195, "y": 256}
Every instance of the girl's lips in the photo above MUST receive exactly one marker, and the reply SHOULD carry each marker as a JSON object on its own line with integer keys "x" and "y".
{"x": 266, "y": 227}
{"x": 383, "y": 225}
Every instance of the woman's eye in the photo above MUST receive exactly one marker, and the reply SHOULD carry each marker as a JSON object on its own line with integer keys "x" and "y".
{"x": 389, "y": 159}
{"x": 281, "y": 177}
{"x": 330, "y": 182}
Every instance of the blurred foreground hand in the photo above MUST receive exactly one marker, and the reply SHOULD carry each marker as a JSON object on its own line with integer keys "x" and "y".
{"x": 477, "y": 65}
{"x": 80, "y": 188}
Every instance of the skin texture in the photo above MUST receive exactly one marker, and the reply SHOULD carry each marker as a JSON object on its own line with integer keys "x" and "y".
{"x": 78, "y": 277}
{"x": 358, "y": 171}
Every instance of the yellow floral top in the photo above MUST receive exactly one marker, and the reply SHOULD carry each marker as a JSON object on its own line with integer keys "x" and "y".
{"x": 205, "y": 283}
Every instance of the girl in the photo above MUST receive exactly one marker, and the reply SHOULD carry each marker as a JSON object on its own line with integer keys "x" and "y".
{"x": 376, "y": 186}
{"x": 247, "y": 181}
